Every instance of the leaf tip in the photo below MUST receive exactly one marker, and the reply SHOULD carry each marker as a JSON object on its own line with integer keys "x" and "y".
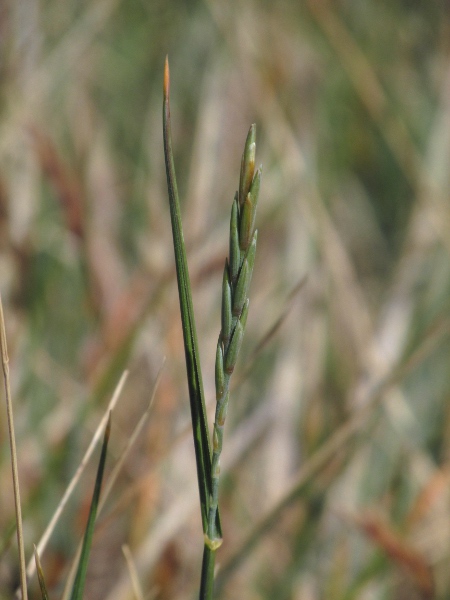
{"x": 166, "y": 77}
{"x": 108, "y": 426}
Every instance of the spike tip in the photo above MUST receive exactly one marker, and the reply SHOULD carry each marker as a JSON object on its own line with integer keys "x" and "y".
{"x": 166, "y": 78}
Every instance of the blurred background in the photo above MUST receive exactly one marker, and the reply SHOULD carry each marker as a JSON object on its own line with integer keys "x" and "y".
{"x": 336, "y": 463}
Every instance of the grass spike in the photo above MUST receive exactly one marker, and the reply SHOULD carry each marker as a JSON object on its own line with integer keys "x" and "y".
{"x": 235, "y": 295}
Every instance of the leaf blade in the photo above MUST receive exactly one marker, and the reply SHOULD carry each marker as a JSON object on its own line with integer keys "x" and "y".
{"x": 80, "y": 578}
{"x": 195, "y": 383}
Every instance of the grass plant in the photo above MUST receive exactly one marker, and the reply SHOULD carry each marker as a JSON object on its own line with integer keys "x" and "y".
{"x": 236, "y": 282}
{"x": 335, "y": 466}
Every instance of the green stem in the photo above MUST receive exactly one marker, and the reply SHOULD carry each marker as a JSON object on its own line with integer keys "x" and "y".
{"x": 207, "y": 578}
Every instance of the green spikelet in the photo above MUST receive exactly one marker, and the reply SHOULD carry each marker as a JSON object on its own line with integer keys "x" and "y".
{"x": 240, "y": 293}
{"x": 247, "y": 164}
{"x": 248, "y": 213}
{"x": 236, "y": 341}
{"x": 220, "y": 376}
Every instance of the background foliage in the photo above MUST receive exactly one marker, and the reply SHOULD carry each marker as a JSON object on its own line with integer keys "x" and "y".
{"x": 342, "y": 415}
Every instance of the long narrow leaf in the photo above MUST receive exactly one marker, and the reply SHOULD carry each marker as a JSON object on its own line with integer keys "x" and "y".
{"x": 194, "y": 375}
{"x": 80, "y": 578}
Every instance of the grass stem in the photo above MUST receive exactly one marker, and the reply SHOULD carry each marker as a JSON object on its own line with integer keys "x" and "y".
{"x": 207, "y": 577}
{"x": 12, "y": 442}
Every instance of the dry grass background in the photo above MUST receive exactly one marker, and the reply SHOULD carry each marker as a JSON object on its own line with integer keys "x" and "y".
{"x": 336, "y": 454}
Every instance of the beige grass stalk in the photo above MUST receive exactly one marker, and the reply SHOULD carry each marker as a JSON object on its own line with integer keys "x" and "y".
{"x": 12, "y": 442}
{"x": 134, "y": 577}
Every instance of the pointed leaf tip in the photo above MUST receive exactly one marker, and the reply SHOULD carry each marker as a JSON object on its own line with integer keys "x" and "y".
{"x": 108, "y": 427}
{"x": 40, "y": 574}
{"x": 166, "y": 77}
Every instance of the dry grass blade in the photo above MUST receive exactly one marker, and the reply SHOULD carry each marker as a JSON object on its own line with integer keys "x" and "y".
{"x": 137, "y": 589}
{"x": 12, "y": 442}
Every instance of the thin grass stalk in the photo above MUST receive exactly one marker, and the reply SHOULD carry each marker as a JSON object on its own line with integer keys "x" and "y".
{"x": 12, "y": 443}
{"x": 134, "y": 577}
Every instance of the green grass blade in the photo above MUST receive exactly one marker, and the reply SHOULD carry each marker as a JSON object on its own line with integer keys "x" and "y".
{"x": 40, "y": 574}
{"x": 80, "y": 578}
{"x": 194, "y": 375}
